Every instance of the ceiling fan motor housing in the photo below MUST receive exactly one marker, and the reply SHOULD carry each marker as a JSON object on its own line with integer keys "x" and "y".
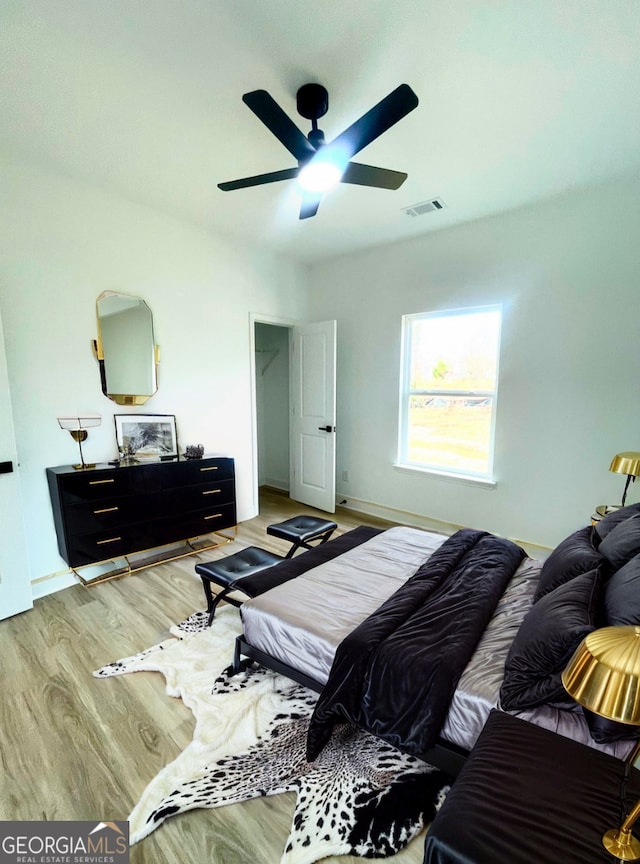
{"x": 312, "y": 101}
{"x": 316, "y": 137}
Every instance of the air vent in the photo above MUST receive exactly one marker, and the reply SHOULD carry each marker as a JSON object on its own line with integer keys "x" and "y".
{"x": 425, "y": 207}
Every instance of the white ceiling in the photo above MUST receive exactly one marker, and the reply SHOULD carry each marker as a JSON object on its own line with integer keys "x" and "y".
{"x": 519, "y": 100}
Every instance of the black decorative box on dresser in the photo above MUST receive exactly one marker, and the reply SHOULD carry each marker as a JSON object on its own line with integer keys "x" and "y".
{"x": 112, "y": 512}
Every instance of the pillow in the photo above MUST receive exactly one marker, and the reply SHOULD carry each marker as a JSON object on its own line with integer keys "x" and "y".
{"x": 550, "y": 633}
{"x": 604, "y": 526}
{"x": 622, "y": 595}
{"x": 622, "y": 543}
{"x": 576, "y": 554}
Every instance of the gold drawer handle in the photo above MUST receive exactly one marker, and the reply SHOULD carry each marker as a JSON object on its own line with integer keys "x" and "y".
{"x": 106, "y": 510}
{"x": 111, "y": 540}
{"x": 101, "y": 482}
{"x": 214, "y": 516}
{"x": 210, "y": 468}
{"x": 211, "y": 491}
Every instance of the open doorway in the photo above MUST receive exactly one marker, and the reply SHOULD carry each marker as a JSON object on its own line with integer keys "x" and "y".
{"x": 294, "y": 410}
{"x": 272, "y": 376}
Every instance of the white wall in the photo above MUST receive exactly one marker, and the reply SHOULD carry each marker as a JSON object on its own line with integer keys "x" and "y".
{"x": 61, "y": 244}
{"x": 568, "y": 274}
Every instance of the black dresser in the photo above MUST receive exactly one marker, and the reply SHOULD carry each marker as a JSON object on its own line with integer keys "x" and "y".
{"x": 110, "y": 511}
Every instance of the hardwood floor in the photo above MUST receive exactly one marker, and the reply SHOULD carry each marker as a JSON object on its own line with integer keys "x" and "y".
{"x": 75, "y": 747}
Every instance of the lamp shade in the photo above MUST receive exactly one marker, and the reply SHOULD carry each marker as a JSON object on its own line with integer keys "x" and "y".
{"x": 604, "y": 674}
{"x": 626, "y": 463}
{"x": 73, "y": 422}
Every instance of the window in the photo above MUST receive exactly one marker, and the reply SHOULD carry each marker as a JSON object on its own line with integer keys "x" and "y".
{"x": 449, "y": 389}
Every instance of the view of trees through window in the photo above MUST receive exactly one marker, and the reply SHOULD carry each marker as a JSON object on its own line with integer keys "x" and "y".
{"x": 450, "y": 388}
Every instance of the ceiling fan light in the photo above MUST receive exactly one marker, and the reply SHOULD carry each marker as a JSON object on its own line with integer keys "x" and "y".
{"x": 319, "y": 176}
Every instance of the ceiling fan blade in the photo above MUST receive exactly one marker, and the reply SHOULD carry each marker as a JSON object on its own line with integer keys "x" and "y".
{"x": 259, "y": 179}
{"x": 377, "y": 120}
{"x": 280, "y": 124}
{"x": 309, "y": 206}
{"x": 369, "y": 175}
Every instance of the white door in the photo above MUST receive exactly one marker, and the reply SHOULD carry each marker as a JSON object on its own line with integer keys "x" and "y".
{"x": 313, "y": 415}
{"x": 15, "y": 587}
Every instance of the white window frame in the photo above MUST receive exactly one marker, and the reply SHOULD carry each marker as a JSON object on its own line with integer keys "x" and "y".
{"x": 406, "y": 393}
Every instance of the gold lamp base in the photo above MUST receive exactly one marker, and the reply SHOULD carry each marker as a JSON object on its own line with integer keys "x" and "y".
{"x": 80, "y": 435}
{"x": 621, "y": 844}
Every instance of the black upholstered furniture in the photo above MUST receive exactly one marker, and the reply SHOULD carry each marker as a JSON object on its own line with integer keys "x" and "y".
{"x": 302, "y": 531}
{"x": 590, "y": 580}
{"x": 229, "y": 572}
{"x": 528, "y": 795}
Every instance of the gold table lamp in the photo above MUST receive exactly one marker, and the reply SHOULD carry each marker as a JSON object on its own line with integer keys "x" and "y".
{"x": 77, "y": 425}
{"x": 626, "y": 463}
{"x": 604, "y": 676}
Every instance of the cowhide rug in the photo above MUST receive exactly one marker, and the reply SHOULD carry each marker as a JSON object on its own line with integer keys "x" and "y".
{"x": 360, "y": 797}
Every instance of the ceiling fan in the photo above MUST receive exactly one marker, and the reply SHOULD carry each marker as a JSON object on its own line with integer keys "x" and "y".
{"x": 317, "y": 158}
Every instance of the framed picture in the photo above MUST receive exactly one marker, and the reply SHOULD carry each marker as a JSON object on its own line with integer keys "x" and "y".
{"x": 146, "y": 436}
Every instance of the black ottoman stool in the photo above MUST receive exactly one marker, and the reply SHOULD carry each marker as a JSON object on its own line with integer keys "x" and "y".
{"x": 302, "y": 531}
{"x": 228, "y": 572}
{"x": 527, "y": 795}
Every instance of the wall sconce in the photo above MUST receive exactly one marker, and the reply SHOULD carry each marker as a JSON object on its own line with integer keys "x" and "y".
{"x": 604, "y": 676}
{"x": 77, "y": 426}
{"x": 626, "y": 463}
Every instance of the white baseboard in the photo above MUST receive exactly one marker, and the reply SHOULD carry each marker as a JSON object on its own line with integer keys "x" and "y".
{"x": 50, "y": 584}
{"x": 282, "y": 485}
{"x": 416, "y": 520}
{"x": 400, "y": 517}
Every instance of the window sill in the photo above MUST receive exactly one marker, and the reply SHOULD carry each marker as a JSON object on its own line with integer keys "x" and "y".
{"x": 467, "y": 479}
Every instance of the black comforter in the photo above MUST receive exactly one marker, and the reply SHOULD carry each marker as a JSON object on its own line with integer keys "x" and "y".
{"x": 396, "y": 673}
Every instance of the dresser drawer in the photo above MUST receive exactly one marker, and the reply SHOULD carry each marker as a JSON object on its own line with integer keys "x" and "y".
{"x": 210, "y": 495}
{"x": 104, "y": 514}
{"x": 89, "y": 548}
{"x": 200, "y": 522}
{"x": 92, "y": 485}
{"x": 103, "y": 545}
{"x": 196, "y": 471}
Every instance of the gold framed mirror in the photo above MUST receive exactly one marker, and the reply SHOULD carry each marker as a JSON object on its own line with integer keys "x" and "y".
{"x": 125, "y": 348}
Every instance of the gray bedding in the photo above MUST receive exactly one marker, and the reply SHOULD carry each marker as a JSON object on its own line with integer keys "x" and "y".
{"x": 301, "y": 623}
{"x": 479, "y": 686}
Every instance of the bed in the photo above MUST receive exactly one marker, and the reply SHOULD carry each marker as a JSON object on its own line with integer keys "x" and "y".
{"x": 315, "y": 621}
